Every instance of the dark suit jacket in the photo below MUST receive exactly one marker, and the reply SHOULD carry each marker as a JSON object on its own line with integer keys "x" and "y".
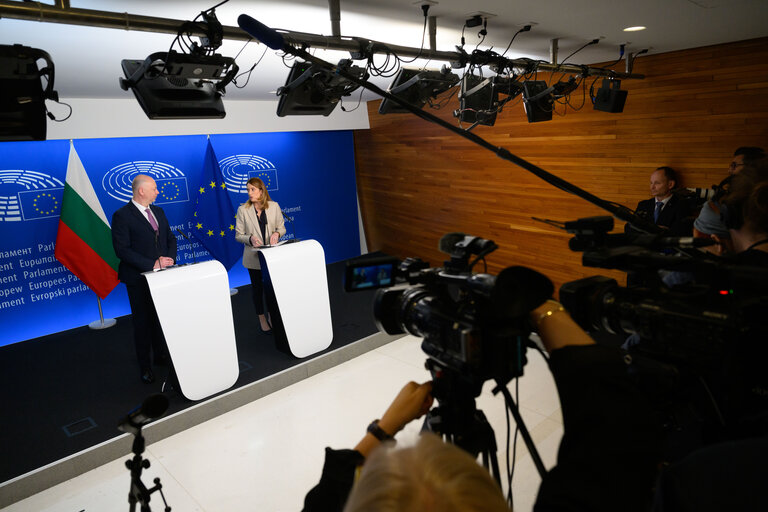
{"x": 676, "y": 215}
{"x": 135, "y": 242}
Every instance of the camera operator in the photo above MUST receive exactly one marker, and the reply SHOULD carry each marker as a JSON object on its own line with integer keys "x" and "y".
{"x": 744, "y": 210}
{"x": 429, "y": 476}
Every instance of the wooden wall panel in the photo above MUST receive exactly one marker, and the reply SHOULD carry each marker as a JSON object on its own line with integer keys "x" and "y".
{"x": 417, "y": 181}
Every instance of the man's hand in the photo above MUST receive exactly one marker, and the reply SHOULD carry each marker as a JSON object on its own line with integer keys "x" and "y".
{"x": 163, "y": 262}
{"x": 413, "y": 401}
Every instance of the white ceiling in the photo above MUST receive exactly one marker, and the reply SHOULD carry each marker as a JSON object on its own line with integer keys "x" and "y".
{"x": 88, "y": 59}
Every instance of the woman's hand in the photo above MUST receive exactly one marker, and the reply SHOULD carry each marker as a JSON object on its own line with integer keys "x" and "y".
{"x": 274, "y": 238}
{"x": 255, "y": 242}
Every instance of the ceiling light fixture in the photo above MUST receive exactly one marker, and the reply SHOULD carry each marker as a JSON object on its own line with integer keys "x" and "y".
{"x": 417, "y": 87}
{"x": 172, "y": 85}
{"x": 634, "y": 29}
{"x": 22, "y": 103}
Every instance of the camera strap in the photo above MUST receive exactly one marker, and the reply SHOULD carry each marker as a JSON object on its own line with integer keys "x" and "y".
{"x": 759, "y": 242}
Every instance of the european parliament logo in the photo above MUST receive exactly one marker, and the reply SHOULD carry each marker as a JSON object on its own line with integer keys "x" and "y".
{"x": 171, "y": 183}
{"x": 28, "y": 195}
{"x": 238, "y": 169}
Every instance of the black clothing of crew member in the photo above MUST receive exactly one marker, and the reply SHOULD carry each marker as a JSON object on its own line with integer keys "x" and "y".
{"x": 138, "y": 246}
{"x": 675, "y": 215}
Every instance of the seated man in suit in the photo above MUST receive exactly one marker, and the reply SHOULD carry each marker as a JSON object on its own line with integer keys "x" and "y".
{"x": 665, "y": 209}
{"x": 142, "y": 238}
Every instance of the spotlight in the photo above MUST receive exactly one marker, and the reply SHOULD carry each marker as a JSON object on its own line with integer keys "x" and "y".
{"x": 171, "y": 85}
{"x": 478, "y": 100}
{"x": 312, "y": 90}
{"x": 417, "y": 87}
{"x": 537, "y": 100}
{"x": 22, "y": 102}
{"x": 610, "y": 97}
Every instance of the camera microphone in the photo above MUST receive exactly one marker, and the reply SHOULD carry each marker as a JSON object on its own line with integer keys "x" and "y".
{"x": 151, "y": 409}
{"x": 449, "y": 240}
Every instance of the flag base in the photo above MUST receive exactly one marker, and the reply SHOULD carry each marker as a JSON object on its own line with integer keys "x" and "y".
{"x": 104, "y": 323}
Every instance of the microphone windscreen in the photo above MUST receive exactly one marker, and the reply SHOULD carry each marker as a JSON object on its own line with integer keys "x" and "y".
{"x": 519, "y": 290}
{"x": 260, "y": 31}
{"x": 449, "y": 240}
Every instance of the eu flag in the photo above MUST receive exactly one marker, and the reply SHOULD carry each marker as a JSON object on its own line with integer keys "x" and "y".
{"x": 214, "y": 221}
{"x": 40, "y": 204}
{"x": 171, "y": 190}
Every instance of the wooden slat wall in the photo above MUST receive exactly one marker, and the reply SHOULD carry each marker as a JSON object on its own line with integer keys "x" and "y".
{"x": 417, "y": 181}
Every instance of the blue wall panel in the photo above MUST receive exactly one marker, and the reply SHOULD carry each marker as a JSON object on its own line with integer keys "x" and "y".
{"x": 311, "y": 175}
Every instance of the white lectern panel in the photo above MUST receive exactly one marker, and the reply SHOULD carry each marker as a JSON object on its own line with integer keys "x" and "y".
{"x": 297, "y": 273}
{"x": 195, "y": 312}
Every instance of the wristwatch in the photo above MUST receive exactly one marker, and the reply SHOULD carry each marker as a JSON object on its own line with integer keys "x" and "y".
{"x": 376, "y": 431}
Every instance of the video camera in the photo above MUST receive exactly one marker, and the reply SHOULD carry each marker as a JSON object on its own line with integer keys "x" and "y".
{"x": 472, "y": 323}
{"x": 700, "y": 316}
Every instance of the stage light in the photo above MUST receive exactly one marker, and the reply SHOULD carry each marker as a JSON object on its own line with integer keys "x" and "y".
{"x": 610, "y": 97}
{"x": 172, "y": 85}
{"x": 478, "y": 100}
{"x": 537, "y": 100}
{"x": 416, "y": 87}
{"x": 22, "y": 102}
{"x": 312, "y": 90}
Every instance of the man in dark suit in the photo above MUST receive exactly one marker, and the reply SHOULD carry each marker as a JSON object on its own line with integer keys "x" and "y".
{"x": 666, "y": 209}
{"x": 142, "y": 238}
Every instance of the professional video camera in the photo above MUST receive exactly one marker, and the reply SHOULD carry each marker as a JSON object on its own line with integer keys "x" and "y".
{"x": 702, "y": 318}
{"x": 473, "y": 323}
{"x": 474, "y": 327}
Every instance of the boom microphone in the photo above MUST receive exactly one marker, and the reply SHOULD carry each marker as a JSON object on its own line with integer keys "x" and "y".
{"x": 260, "y": 31}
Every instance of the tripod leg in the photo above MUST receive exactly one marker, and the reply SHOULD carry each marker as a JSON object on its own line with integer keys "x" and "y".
{"x": 523, "y": 431}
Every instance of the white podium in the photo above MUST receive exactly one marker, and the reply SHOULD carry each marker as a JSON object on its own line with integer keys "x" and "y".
{"x": 195, "y": 312}
{"x": 295, "y": 274}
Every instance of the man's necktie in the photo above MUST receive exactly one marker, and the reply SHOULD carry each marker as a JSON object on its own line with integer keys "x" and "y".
{"x": 152, "y": 221}
{"x": 656, "y": 212}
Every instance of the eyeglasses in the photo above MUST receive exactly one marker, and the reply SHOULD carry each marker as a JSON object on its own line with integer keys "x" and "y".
{"x": 734, "y": 165}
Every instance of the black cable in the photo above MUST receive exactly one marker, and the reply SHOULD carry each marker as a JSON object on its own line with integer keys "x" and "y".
{"x": 234, "y": 80}
{"x": 359, "y": 101}
{"x": 594, "y": 41}
{"x": 524, "y": 29}
{"x": 425, "y": 7}
{"x": 53, "y": 118}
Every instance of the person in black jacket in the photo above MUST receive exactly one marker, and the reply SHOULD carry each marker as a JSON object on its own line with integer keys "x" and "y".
{"x": 666, "y": 209}
{"x": 143, "y": 241}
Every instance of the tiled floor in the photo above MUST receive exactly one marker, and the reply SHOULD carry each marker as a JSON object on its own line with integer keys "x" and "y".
{"x": 266, "y": 455}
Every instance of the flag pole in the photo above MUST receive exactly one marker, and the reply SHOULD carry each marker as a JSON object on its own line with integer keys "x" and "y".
{"x": 102, "y": 323}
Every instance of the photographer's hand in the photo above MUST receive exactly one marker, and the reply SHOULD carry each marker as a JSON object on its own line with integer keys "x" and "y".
{"x": 556, "y": 328}
{"x": 413, "y": 401}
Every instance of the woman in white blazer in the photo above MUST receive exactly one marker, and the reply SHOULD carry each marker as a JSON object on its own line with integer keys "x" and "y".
{"x": 259, "y": 222}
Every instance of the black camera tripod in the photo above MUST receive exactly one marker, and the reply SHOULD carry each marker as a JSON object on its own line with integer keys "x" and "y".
{"x": 139, "y": 492}
{"x": 458, "y": 420}
{"x": 151, "y": 409}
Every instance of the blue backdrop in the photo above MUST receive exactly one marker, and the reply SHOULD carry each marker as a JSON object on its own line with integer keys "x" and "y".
{"x": 311, "y": 175}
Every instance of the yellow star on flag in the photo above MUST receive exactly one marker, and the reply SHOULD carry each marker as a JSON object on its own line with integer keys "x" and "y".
{"x": 209, "y": 233}
{"x": 213, "y": 184}
{"x": 199, "y": 226}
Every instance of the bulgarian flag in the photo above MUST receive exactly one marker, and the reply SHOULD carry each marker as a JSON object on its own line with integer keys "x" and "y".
{"x": 84, "y": 240}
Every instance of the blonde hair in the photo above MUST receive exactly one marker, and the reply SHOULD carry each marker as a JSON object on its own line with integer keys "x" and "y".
{"x": 264, "y": 202}
{"x": 432, "y": 475}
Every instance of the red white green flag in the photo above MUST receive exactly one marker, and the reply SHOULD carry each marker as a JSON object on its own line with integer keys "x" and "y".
{"x": 84, "y": 240}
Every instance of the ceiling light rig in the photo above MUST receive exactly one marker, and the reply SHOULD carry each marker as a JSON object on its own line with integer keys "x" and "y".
{"x": 191, "y": 83}
{"x": 173, "y": 85}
